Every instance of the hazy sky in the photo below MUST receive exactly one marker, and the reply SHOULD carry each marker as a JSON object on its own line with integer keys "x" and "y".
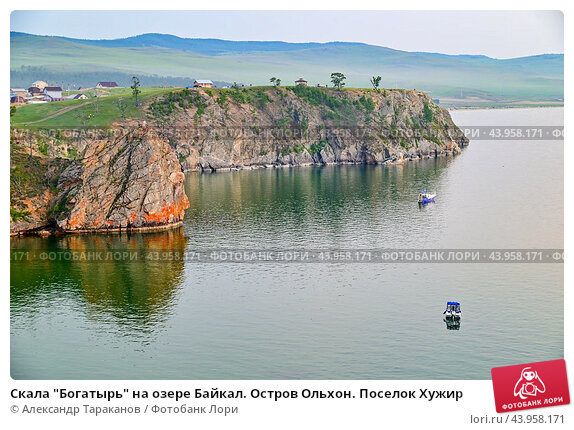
{"x": 499, "y": 34}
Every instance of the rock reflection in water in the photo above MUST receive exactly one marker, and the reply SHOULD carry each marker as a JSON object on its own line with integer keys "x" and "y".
{"x": 132, "y": 292}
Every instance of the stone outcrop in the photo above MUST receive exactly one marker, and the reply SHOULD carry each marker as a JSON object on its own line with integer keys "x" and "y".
{"x": 132, "y": 181}
{"x": 391, "y": 126}
{"x": 36, "y": 210}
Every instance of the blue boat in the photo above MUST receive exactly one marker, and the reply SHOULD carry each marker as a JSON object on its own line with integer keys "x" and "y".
{"x": 425, "y": 197}
{"x": 452, "y": 310}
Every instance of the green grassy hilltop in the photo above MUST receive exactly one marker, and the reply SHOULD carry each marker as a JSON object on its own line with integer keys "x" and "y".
{"x": 93, "y": 112}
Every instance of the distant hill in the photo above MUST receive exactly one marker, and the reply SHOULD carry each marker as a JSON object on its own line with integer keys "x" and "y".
{"x": 177, "y": 60}
{"x": 200, "y": 46}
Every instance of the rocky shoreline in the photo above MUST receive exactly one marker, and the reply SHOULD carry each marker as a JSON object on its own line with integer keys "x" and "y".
{"x": 49, "y": 230}
{"x": 131, "y": 178}
{"x": 207, "y": 168}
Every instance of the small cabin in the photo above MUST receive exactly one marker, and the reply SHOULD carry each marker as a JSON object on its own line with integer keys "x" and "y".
{"x": 35, "y": 91}
{"x": 22, "y": 92}
{"x": 301, "y": 81}
{"x": 16, "y": 99}
{"x": 79, "y": 96}
{"x": 106, "y": 85}
{"x": 203, "y": 83}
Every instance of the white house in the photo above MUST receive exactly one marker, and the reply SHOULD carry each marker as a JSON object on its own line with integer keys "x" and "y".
{"x": 53, "y": 93}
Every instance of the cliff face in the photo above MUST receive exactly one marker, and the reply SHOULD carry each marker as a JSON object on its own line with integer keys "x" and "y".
{"x": 131, "y": 180}
{"x": 248, "y": 128}
{"x": 131, "y": 176}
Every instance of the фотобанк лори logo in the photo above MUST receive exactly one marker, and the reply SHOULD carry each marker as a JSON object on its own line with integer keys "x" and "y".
{"x": 529, "y": 386}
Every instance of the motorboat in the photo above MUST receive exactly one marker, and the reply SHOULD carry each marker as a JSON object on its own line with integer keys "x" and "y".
{"x": 452, "y": 310}
{"x": 425, "y": 197}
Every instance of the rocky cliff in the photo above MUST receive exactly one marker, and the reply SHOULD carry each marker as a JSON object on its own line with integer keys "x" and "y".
{"x": 130, "y": 177}
{"x": 253, "y": 127}
{"x": 133, "y": 181}
{"x": 130, "y": 180}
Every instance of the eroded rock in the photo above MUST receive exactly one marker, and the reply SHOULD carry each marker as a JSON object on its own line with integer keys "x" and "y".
{"x": 133, "y": 181}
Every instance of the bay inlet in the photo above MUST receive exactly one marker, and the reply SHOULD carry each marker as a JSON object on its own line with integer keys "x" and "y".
{"x": 336, "y": 320}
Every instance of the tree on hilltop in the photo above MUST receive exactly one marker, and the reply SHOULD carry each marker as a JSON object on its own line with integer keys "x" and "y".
{"x": 375, "y": 82}
{"x": 135, "y": 88}
{"x": 337, "y": 78}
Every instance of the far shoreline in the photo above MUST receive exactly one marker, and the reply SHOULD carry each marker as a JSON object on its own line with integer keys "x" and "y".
{"x": 519, "y": 105}
{"x": 503, "y": 108}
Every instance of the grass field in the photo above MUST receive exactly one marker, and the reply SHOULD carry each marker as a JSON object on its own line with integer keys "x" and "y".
{"x": 101, "y": 92}
{"x": 93, "y": 112}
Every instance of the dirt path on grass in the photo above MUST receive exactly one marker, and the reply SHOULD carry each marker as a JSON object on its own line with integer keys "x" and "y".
{"x": 55, "y": 114}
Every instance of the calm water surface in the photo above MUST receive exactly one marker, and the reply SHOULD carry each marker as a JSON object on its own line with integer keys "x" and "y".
{"x": 185, "y": 320}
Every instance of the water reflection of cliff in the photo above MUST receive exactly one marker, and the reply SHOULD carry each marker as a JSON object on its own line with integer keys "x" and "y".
{"x": 128, "y": 291}
{"x": 330, "y": 202}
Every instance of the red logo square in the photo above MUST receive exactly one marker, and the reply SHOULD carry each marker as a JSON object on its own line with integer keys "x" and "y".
{"x": 529, "y": 386}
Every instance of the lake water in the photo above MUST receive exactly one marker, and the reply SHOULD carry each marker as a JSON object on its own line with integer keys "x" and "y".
{"x": 190, "y": 320}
